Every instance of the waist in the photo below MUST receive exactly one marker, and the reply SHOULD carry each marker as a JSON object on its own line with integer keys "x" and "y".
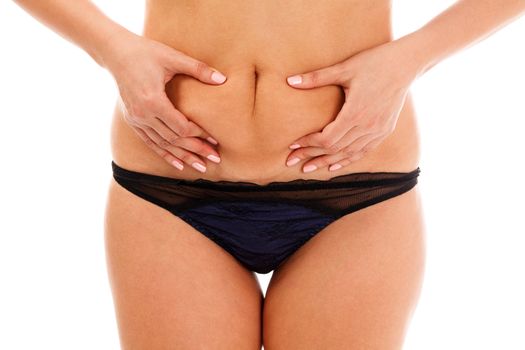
{"x": 255, "y": 115}
{"x": 255, "y": 147}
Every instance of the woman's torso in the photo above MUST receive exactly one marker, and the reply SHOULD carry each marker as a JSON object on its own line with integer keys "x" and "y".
{"x": 255, "y": 119}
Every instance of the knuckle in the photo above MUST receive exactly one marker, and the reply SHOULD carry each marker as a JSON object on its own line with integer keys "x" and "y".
{"x": 186, "y": 157}
{"x": 164, "y": 154}
{"x": 149, "y": 142}
{"x": 148, "y": 128}
{"x": 348, "y": 151}
{"x": 341, "y": 70}
{"x": 334, "y": 148}
{"x": 149, "y": 100}
{"x": 370, "y": 124}
{"x": 134, "y": 114}
{"x": 132, "y": 122}
{"x": 173, "y": 140}
{"x": 368, "y": 147}
{"x": 199, "y": 146}
{"x": 184, "y": 130}
{"x": 200, "y": 68}
{"x": 297, "y": 153}
{"x": 315, "y": 77}
{"x": 356, "y": 156}
{"x": 344, "y": 162}
{"x": 325, "y": 142}
{"x": 301, "y": 154}
{"x": 164, "y": 143}
{"x": 194, "y": 129}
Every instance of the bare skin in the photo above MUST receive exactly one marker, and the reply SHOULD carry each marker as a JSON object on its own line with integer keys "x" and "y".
{"x": 262, "y": 108}
{"x": 354, "y": 285}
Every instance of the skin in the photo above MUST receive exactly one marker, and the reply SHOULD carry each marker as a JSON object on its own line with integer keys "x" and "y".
{"x": 262, "y": 108}
{"x": 354, "y": 285}
{"x": 141, "y": 73}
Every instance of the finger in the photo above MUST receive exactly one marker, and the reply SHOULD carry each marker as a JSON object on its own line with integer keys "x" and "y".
{"x": 304, "y": 153}
{"x": 331, "y": 132}
{"x": 359, "y": 143}
{"x": 373, "y": 144}
{"x": 197, "y": 131}
{"x": 323, "y": 161}
{"x": 178, "y": 122}
{"x": 333, "y": 161}
{"x": 340, "y": 164}
{"x": 197, "y": 146}
{"x": 152, "y": 134}
{"x": 167, "y": 156}
{"x": 190, "y": 66}
{"x": 189, "y": 158}
{"x": 186, "y": 149}
{"x": 345, "y": 153}
{"x": 172, "y": 117}
{"x": 186, "y": 156}
{"x": 355, "y": 156}
{"x": 355, "y": 133}
{"x": 332, "y": 75}
{"x": 168, "y": 137}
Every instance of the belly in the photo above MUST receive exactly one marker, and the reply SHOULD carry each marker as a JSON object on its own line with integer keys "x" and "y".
{"x": 255, "y": 114}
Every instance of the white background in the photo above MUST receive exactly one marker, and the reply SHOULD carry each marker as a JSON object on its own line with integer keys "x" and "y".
{"x": 56, "y": 104}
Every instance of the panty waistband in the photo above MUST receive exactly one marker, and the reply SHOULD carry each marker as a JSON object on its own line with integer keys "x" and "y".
{"x": 359, "y": 179}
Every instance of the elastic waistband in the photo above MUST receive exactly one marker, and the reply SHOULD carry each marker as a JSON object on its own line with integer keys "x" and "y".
{"x": 360, "y": 179}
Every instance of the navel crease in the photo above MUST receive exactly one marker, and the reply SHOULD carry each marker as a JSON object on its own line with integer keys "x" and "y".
{"x": 254, "y": 91}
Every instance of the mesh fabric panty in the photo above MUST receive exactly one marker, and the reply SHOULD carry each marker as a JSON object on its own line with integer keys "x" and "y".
{"x": 263, "y": 225}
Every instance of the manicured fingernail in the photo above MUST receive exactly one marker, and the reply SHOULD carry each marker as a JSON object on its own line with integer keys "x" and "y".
{"x": 213, "y": 158}
{"x": 335, "y": 167}
{"x": 218, "y": 77}
{"x": 309, "y": 168}
{"x": 212, "y": 140}
{"x": 199, "y": 167}
{"x": 293, "y": 161}
{"x": 294, "y": 80}
{"x": 177, "y": 165}
{"x": 294, "y": 146}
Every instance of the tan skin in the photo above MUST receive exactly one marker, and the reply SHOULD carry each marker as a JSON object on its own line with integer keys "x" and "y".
{"x": 355, "y": 284}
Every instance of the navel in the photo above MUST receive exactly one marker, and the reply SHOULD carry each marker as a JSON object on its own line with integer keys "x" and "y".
{"x": 255, "y": 78}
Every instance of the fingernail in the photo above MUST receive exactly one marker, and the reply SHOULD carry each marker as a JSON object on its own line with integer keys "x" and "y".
{"x": 309, "y": 168}
{"x": 335, "y": 167}
{"x": 177, "y": 165}
{"x": 218, "y": 77}
{"x": 199, "y": 167}
{"x": 294, "y": 80}
{"x": 214, "y": 158}
{"x": 212, "y": 140}
{"x": 294, "y": 146}
{"x": 293, "y": 161}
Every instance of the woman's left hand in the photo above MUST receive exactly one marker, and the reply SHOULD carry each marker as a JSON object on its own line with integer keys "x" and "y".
{"x": 375, "y": 82}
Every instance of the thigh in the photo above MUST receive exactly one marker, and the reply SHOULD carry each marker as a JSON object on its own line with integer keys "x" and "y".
{"x": 354, "y": 285}
{"x": 174, "y": 288}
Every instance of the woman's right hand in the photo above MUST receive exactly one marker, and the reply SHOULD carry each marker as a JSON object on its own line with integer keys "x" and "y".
{"x": 141, "y": 68}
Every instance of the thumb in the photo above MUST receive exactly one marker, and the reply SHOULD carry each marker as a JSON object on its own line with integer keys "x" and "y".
{"x": 332, "y": 75}
{"x": 197, "y": 69}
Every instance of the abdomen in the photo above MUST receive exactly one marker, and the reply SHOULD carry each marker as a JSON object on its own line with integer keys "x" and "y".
{"x": 255, "y": 114}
